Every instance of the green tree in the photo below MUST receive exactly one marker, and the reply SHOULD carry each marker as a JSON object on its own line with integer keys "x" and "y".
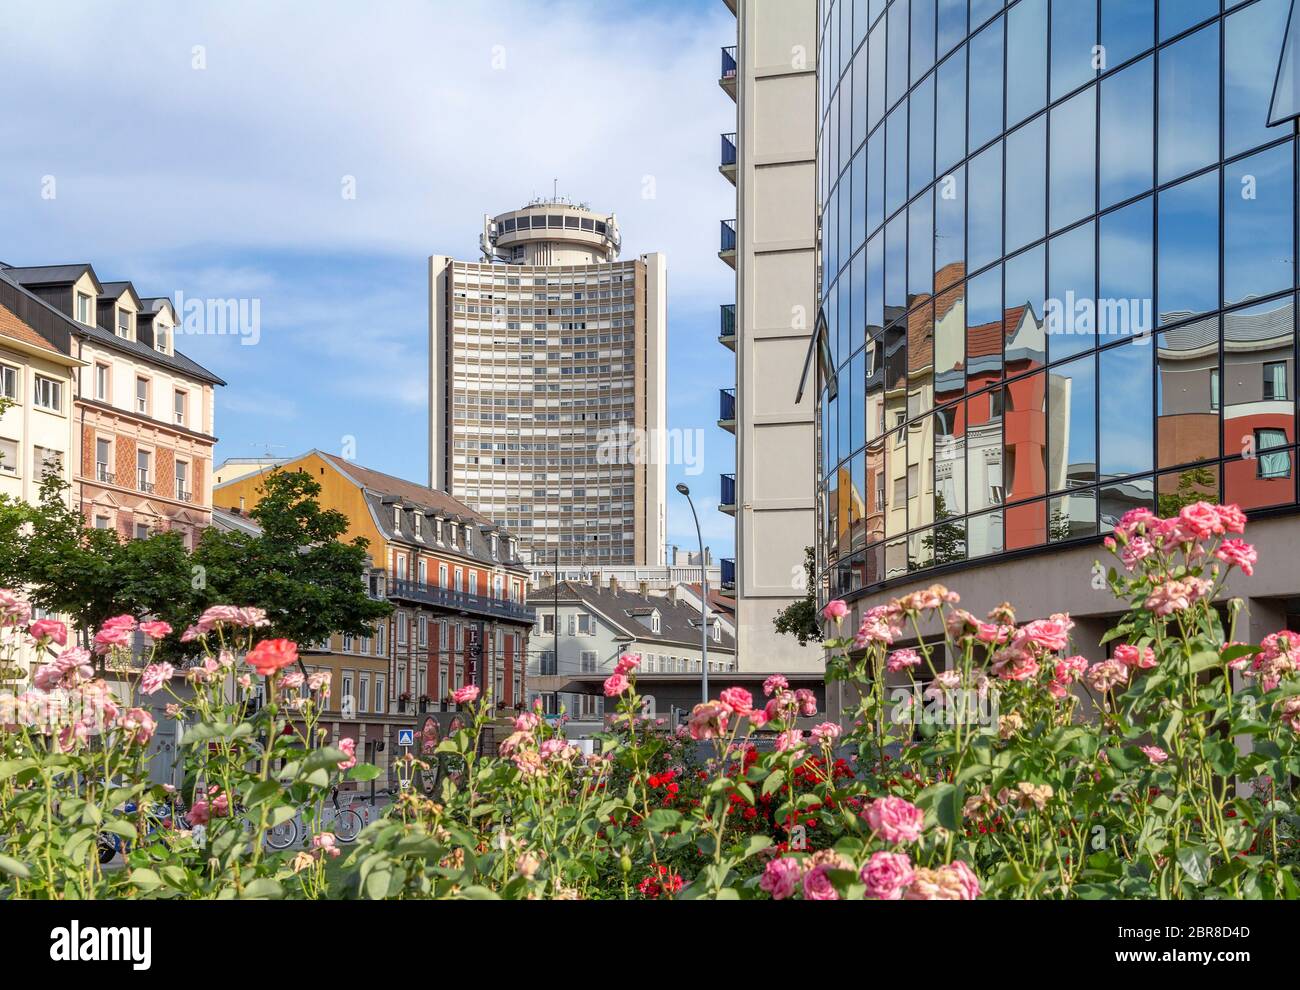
{"x": 86, "y": 574}
{"x": 800, "y": 618}
{"x": 299, "y": 569}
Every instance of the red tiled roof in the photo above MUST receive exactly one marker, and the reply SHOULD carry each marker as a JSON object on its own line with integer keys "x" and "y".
{"x": 12, "y": 326}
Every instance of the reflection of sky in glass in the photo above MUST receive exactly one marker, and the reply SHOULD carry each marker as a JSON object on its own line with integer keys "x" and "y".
{"x": 1126, "y": 409}
{"x": 1258, "y": 196}
{"x": 1188, "y": 262}
{"x": 1127, "y": 131}
{"x": 1189, "y": 104}
{"x": 1252, "y": 37}
{"x": 1127, "y": 28}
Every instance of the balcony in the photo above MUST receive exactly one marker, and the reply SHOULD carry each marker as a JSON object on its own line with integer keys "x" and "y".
{"x": 727, "y": 499}
{"x": 143, "y": 483}
{"x": 727, "y": 410}
{"x": 184, "y": 496}
{"x": 459, "y": 601}
{"x": 728, "y": 567}
{"x": 103, "y": 474}
{"x": 729, "y": 71}
{"x": 727, "y": 326}
{"x": 727, "y": 246}
{"x": 727, "y": 165}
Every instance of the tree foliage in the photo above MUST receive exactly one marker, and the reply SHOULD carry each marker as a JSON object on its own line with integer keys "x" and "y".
{"x": 800, "y": 618}
{"x": 309, "y": 581}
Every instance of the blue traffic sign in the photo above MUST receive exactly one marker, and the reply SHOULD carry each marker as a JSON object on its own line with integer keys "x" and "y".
{"x": 406, "y": 737}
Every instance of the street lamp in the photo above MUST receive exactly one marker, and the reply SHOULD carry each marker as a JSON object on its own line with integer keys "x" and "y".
{"x": 704, "y": 600}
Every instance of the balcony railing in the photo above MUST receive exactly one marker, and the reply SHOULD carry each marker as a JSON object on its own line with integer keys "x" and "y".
{"x": 728, "y": 236}
{"x": 728, "y": 150}
{"x": 726, "y": 404}
{"x": 184, "y": 496}
{"x": 728, "y": 496}
{"x": 143, "y": 483}
{"x": 102, "y": 473}
{"x": 728, "y": 320}
{"x": 729, "y": 62}
{"x": 460, "y": 601}
{"x": 728, "y": 568}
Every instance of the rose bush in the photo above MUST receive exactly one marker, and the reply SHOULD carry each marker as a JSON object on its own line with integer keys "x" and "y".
{"x": 980, "y": 757}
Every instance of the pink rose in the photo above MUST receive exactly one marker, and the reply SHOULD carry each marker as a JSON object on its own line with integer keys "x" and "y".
{"x": 51, "y": 630}
{"x": 1201, "y": 520}
{"x": 1238, "y": 553}
{"x": 349, "y": 746}
{"x": 887, "y": 875}
{"x": 774, "y": 684}
{"x": 1155, "y": 754}
{"x": 817, "y": 884}
{"x": 1103, "y": 676}
{"x": 627, "y": 663}
{"x": 826, "y": 733}
{"x": 894, "y": 819}
{"x": 901, "y": 660}
{"x": 272, "y": 655}
{"x": 708, "y": 721}
{"x": 740, "y": 701}
{"x": 835, "y": 610}
{"x": 138, "y": 725}
{"x": 1138, "y": 659}
{"x": 781, "y": 878}
{"x": 789, "y": 740}
{"x": 465, "y": 695}
{"x": 615, "y": 685}
{"x": 156, "y": 630}
{"x": 155, "y": 676}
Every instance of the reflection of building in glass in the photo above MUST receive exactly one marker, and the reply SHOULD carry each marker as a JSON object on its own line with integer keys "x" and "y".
{"x": 1050, "y": 292}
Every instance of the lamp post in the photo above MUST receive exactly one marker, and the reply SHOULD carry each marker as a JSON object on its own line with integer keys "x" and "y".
{"x": 704, "y": 600}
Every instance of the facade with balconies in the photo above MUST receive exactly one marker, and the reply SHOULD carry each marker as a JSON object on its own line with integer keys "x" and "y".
{"x": 771, "y": 74}
{"x": 456, "y": 580}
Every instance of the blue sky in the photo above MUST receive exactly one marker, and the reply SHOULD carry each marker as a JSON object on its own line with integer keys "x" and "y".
{"x": 202, "y": 148}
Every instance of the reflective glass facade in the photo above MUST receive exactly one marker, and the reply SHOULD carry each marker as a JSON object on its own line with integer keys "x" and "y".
{"x": 1058, "y": 273}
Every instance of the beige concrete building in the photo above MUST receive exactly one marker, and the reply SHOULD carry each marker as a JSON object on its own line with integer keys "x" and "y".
{"x": 772, "y": 159}
{"x": 548, "y": 386}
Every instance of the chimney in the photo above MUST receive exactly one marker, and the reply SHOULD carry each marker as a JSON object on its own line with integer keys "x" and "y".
{"x": 613, "y": 584}
{"x": 643, "y": 588}
{"x": 672, "y": 594}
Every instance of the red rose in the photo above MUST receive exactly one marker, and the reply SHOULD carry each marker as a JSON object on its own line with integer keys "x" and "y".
{"x": 271, "y": 655}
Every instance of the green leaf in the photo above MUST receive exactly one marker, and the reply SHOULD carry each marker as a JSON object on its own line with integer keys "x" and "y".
{"x": 774, "y": 780}
{"x": 264, "y": 889}
{"x": 662, "y": 819}
{"x": 363, "y": 772}
{"x": 943, "y": 802}
{"x": 1195, "y": 862}
{"x": 11, "y": 866}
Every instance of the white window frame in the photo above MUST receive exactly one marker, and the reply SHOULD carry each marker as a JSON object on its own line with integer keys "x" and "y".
{"x": 44, "y": 388}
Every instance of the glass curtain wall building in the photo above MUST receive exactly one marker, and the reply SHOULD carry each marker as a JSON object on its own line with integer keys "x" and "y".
{"x": 1058, "y": 274}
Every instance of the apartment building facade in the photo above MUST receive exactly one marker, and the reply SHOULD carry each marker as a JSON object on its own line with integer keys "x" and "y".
{"x": 37, "y": 428}
{"x": 771, "y": 73}
{"x": 142, "y": 412}
{"x": 1058, "y": 283}
{"x": 455, "y": 579}
{"x": 547, "y": 386}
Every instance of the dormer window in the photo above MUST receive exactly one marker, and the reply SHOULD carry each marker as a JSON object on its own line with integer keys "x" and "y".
{"x": 85, "y": 309}
{"x": 160, "y": 339}
{"x": 124, "y": 323}
{"x": 494, "y": 545}
{"x": 437, "y": 530}
{"x": 419, "y": 526}
{"x": 655, "y": 625}
{"x": 397, "y": 518}
{"x": 717, "y": 632}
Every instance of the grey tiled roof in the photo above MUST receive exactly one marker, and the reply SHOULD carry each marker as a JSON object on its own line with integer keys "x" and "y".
{"x": 679, "y": 623}
{"x": 177, "y": 361}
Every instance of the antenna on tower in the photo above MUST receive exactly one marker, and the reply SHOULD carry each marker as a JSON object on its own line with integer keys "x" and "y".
{"x": 555, "y": 191}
